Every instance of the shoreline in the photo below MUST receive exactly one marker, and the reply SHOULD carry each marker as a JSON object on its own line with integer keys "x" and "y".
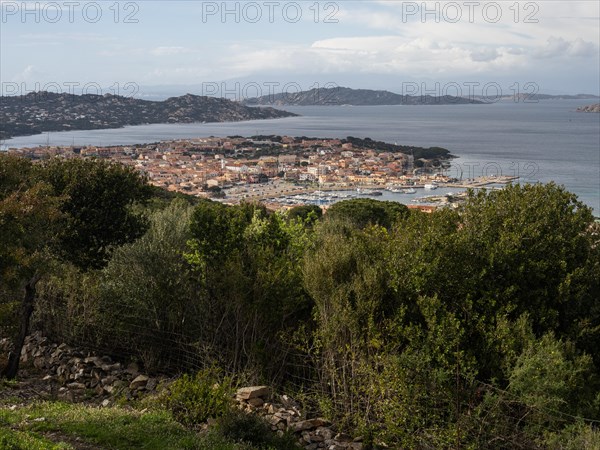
{"x": 281, "y": 192}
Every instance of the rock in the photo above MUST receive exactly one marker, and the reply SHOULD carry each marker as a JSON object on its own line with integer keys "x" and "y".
{"x": 288, "y": 402}
{"x": 108, "y": 380}
{"x": 590, "y": 108}
{"x": 93, "y": 360}
{"x": 275, "y": 420}
{"x": 139, "y": 382}
{"x": 133, "y": 369}
{"x": 151, "y": 385}
{"x": 308, "y": 424}
{"x": 342, "y": 437}
{"x": 325, "y": 432}
{"x": 76, "y": 386}
{"x": 256, "y": 402}
{"x": 39, "y": 362}
{"x": 316, "y": 438}
{"x": 111, "y": 367}
{"x": 252, "y": 392}
{"x": 105, "y": 402}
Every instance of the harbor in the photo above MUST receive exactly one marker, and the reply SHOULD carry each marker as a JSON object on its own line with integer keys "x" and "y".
{"x": 284, "y": 195}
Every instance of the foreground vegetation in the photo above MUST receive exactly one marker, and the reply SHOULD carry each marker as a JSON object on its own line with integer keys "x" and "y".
{"x": 476, "y": 328}
{"x": 60, "y": 426}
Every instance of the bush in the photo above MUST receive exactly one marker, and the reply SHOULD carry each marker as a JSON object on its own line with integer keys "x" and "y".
{"x": 250, "y": 429}
{"x": 195, "y": 399}
{"x": 579, "y": 436}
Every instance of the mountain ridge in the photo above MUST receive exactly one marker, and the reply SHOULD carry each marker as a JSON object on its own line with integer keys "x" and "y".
{"x": 354, "y": 97}
{"x": 39, "y": 112}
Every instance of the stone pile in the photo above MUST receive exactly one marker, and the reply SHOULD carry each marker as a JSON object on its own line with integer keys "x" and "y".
{"x": 282, "y": 413}
{"x": 76, "y": 376}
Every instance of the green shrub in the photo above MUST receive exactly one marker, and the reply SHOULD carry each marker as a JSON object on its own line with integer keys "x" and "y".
{"x": 195, "y": 399}
{"x": 579, "y": 436}
{"x": 250, "y": 429}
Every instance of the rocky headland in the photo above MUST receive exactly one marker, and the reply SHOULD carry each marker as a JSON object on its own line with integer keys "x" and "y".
{"x": 39, "y": 112}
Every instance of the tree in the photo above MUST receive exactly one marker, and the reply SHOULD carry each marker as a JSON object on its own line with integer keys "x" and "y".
{"x": 452, "y": 301}
{"x": 249, "y": 285}
{"x": 28, "y": 218}
{"x": 345, "y": 274}
{"x": 76, "y": 210}
{"x": 146, "y": 294}
{"x": 98, "y": 204}
{"x": 306, "y": 213}
{"x": 525, "y": 250}
{"x": 365, "y": 211}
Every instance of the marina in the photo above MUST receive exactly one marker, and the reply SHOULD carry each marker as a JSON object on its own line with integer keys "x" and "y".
{"x": 279, "y": 195}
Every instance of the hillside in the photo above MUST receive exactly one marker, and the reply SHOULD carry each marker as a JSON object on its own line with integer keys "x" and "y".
{"x": 354, "y": 97}
{"x": 38, "y": 112}
{"x": 420, "y": 321}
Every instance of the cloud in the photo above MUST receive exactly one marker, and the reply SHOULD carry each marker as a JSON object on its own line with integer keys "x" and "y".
{"x": 45, "y": 38}
{"x": 168, "y": 51}
{"x": 583, "y": 48}
{"x": 484, "y": 55}
{"x": 557, "y": 46}
{"x": 364, "y": 54}
{"x": 515, "y": 51}
{"x": 29, "y": 74}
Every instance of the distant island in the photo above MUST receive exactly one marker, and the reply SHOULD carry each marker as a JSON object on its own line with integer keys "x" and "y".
{"x": 39, "y": 112}
{"x": 564, "y": 97}
{"x": 595, "y": 108}
{"x": 532, "y": 97}
{"x": 354, "y": 97}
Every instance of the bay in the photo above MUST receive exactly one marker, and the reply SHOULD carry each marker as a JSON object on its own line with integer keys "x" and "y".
{"x": 540, "y": 142}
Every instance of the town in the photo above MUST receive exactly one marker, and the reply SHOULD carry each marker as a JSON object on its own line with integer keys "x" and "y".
{"x": 283, "y": 171}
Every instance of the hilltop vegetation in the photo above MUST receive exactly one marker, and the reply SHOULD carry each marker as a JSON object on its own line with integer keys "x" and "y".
{"x": 355, "y": 97}
{"x": 476, "y": 328}
{"x": 38, "y": 112}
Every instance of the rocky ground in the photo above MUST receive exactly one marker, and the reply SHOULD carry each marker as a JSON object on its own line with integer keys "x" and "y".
{"x": 60, "y": 372}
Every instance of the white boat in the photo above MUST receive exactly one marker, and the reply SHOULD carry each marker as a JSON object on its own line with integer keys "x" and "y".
{"x": 410, "y": 191}
{"x": 430, "y": 186}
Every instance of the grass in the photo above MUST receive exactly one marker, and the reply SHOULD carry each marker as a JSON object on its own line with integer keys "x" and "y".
{"x": 62, "y": 426}
{"x": 19, "y": 440}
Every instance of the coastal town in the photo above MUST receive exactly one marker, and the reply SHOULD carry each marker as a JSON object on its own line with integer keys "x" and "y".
{"x": 283, "y": 171}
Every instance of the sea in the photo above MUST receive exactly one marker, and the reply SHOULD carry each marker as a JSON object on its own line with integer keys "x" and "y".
{"x": 538, "y": 141}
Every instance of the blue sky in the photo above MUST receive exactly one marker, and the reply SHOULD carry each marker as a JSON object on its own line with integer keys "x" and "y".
{"x": 176, "y": 46}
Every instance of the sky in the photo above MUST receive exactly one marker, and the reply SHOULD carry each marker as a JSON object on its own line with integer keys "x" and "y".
{"x": 240, "y": 49}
